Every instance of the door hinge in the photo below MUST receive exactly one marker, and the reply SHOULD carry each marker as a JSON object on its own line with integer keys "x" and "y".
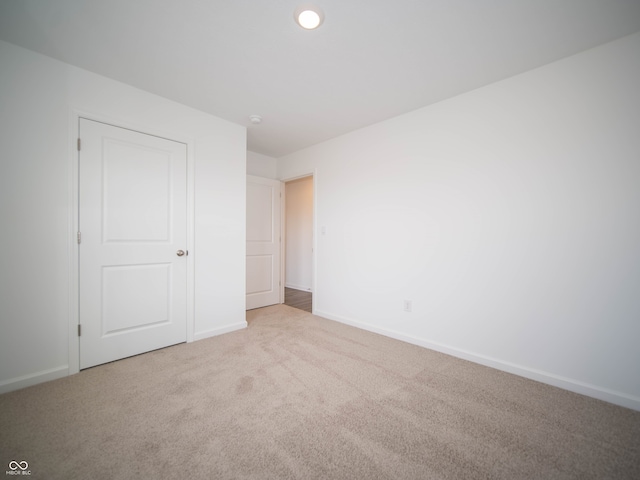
{"x": 79, "y": 237}
{"x": 79, "y": 144}
{"x": 79, "y": 329}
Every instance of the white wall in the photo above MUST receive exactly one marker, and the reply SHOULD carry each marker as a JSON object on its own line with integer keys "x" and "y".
{"x": 262, "y": 165}
{"x": 299, "y": 233}
{"x": 508, "y": 215}
{"x": 38, "y": 100}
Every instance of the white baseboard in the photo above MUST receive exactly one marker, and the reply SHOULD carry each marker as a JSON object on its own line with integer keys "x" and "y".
{"x": 219, "y": 331}
{"x": 576, "y": 386}
{"x": 33, "y": 379}
{"x": 298, "y": 287}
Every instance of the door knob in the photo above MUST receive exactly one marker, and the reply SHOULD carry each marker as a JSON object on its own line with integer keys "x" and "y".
{"x": 180, "y": 253}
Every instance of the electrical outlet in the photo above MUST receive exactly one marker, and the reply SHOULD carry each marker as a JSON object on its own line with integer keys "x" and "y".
{"x": 407, "y": 305}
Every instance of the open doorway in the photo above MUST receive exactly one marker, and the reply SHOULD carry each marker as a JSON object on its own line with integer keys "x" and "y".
{"x": 298, "y": 235}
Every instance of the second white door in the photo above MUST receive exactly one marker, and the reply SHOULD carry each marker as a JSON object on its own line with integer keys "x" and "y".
{"x": 263, "y": 242}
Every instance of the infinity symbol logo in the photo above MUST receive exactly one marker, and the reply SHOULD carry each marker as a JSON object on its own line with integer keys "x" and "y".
{"x": 13, "y": 465}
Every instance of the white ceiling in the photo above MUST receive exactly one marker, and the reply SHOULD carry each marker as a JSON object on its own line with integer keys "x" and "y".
{"x": 369, "y": 61}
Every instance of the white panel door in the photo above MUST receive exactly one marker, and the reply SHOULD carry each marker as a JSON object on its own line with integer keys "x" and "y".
{"x": 263, "y": 242}
{"x": 133, "y": 224}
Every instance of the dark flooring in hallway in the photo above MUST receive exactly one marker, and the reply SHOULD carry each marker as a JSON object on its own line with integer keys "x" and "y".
{"x": 298, "y": 299}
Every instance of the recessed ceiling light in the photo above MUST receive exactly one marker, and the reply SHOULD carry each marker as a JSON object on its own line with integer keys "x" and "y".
{"x": 308, "y": 16}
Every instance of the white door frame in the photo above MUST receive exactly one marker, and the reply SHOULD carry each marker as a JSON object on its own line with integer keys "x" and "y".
{"x": 73, "y": 250}
{"x": 314, "y": 283}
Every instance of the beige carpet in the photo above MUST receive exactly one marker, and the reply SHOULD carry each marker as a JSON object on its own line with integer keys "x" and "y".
{"x": 296, "y": 396}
